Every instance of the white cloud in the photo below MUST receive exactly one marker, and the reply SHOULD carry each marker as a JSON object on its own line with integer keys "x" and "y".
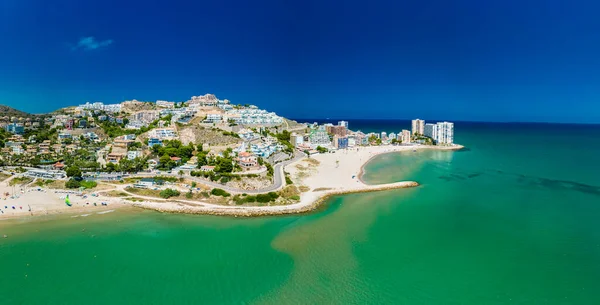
{"x": 90, "y": 43}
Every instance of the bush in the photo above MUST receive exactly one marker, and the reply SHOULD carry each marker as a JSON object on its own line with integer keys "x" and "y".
{"x": 263, "y": 198}
{"x": 168, "y": 193}
{"x": 219, "y": 192}
{"x": 88, "y": 184}
{"x": 72, "y": 184}
{"x": 189, "y": 195}
{"x": 295, "y": 197}
{"x": 273, "y": 195}
{"x": 288, "y": 180}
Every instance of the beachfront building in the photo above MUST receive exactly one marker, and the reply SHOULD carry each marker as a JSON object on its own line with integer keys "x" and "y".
{"x": 296, "y": 139}
{"x": 319, "y": 137}
{"x": 431, "y": 131}
{"x": 391, "y": 136}
{"x": 343, "y": 123}
{"x": 404, "y": 136}
{"x": 383, "y": 136}
{"x": 340, "y": 142}
{"x": 445, "y": 133}
{"x": 418, "y": 126}
{"x": 339, "y": 130}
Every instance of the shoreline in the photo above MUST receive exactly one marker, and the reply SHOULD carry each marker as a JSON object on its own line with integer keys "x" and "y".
{"x": 334, "y": 174}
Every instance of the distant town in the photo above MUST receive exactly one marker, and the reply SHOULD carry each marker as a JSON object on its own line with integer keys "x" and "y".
{"x": 212, "y": 146}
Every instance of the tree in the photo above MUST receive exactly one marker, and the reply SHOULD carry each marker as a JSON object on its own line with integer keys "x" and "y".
{"x": 181, "y": 173}
{"x": 321, "y": 149}
{"x": 72, "y": 184}
{"x": 168, "y": 193}
{"x": 225, "y": 165}
{"x": 199, "y": 147}
{"x": 73, "y": 171}
{"x": 194, "y": 184}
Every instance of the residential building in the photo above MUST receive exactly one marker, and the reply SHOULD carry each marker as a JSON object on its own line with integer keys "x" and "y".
{"x": 339, "y": 130}
{"x": 296, "y": 139}
{"x": 405, "y": 136}
{"x": 207, "y": 168}
{"x": 418, "y": 126}
{"x": 343, "y": 123}
{"x": 15, "y": 128}
{"x": 154, "y": 141}
{"x": 445, "y": 133}
{"x": 247, "y": 160}
{"x": 431, "y": 130}
{"x": 164, "y": 133}
{"x": 340, "y": 142}
{"x": 383, "y": 136}
{"x": 391, "y": 136}
{"x": 165, "y": 104}
{"x": 319, "y": 137}
{"x": 132, "y": 154}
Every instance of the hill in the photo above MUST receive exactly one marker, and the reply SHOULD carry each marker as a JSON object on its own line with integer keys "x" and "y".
{"x": 9, "y": 111}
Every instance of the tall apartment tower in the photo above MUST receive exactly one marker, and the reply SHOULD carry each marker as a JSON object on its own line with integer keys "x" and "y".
{"x": 431, "y": 130}
{"x": 418, "y": 126}
{"x": 445, "y": 133}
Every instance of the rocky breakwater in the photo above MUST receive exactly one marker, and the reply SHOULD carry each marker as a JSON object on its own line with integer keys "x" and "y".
{"x": 309, "y": 201}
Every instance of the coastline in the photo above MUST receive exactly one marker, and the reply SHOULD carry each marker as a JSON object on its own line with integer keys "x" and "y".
{"x": 325, "y": 175}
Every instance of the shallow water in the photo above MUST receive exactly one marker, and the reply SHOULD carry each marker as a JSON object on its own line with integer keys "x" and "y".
{"x": 512, "y": 219}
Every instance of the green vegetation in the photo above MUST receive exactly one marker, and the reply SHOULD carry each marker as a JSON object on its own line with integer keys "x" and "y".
{"x": 72, "y": 184}
{"x": 73, "y": 171}
{"x": 42, "y": 183}
{"x": 189, "y": 195}
{"x": 20, "y": 181}
{"x": 170, "y": 149}
{"x": 288, "y": 180}
{"x": 168, "y": 193}
{"x": 322, "y": 149}
{"x": 219, "y": 192}
{"x": 88, "y": 184}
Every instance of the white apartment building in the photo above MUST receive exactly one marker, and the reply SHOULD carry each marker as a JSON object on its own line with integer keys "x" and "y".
{"x": 418, "y": 126}
{"x": 431, "y": 130}
{"x": 445, "y": 133}
{"x": 165, "y": 104}
{"x": 343, "y": 123}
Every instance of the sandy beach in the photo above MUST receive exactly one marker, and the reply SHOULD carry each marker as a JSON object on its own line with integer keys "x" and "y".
{"x": 30, "y": 200}
{"x": 321, "y": 176}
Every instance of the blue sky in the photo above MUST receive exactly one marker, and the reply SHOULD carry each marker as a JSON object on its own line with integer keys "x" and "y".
{"x": 456, "y": 60}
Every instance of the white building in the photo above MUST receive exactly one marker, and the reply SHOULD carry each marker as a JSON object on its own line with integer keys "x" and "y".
{"x": 445, "y": 133}
{"x": 383, "y": 135}
{"x": 165, "y": 104}
{"x": 418, "y": 127}
{"x": 343, "y": 123}
{"x": 132, "y": 154}
{"x": 431, "y": 130}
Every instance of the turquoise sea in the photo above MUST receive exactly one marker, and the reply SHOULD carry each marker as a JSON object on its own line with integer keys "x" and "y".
{"x": 512, "y": 219}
